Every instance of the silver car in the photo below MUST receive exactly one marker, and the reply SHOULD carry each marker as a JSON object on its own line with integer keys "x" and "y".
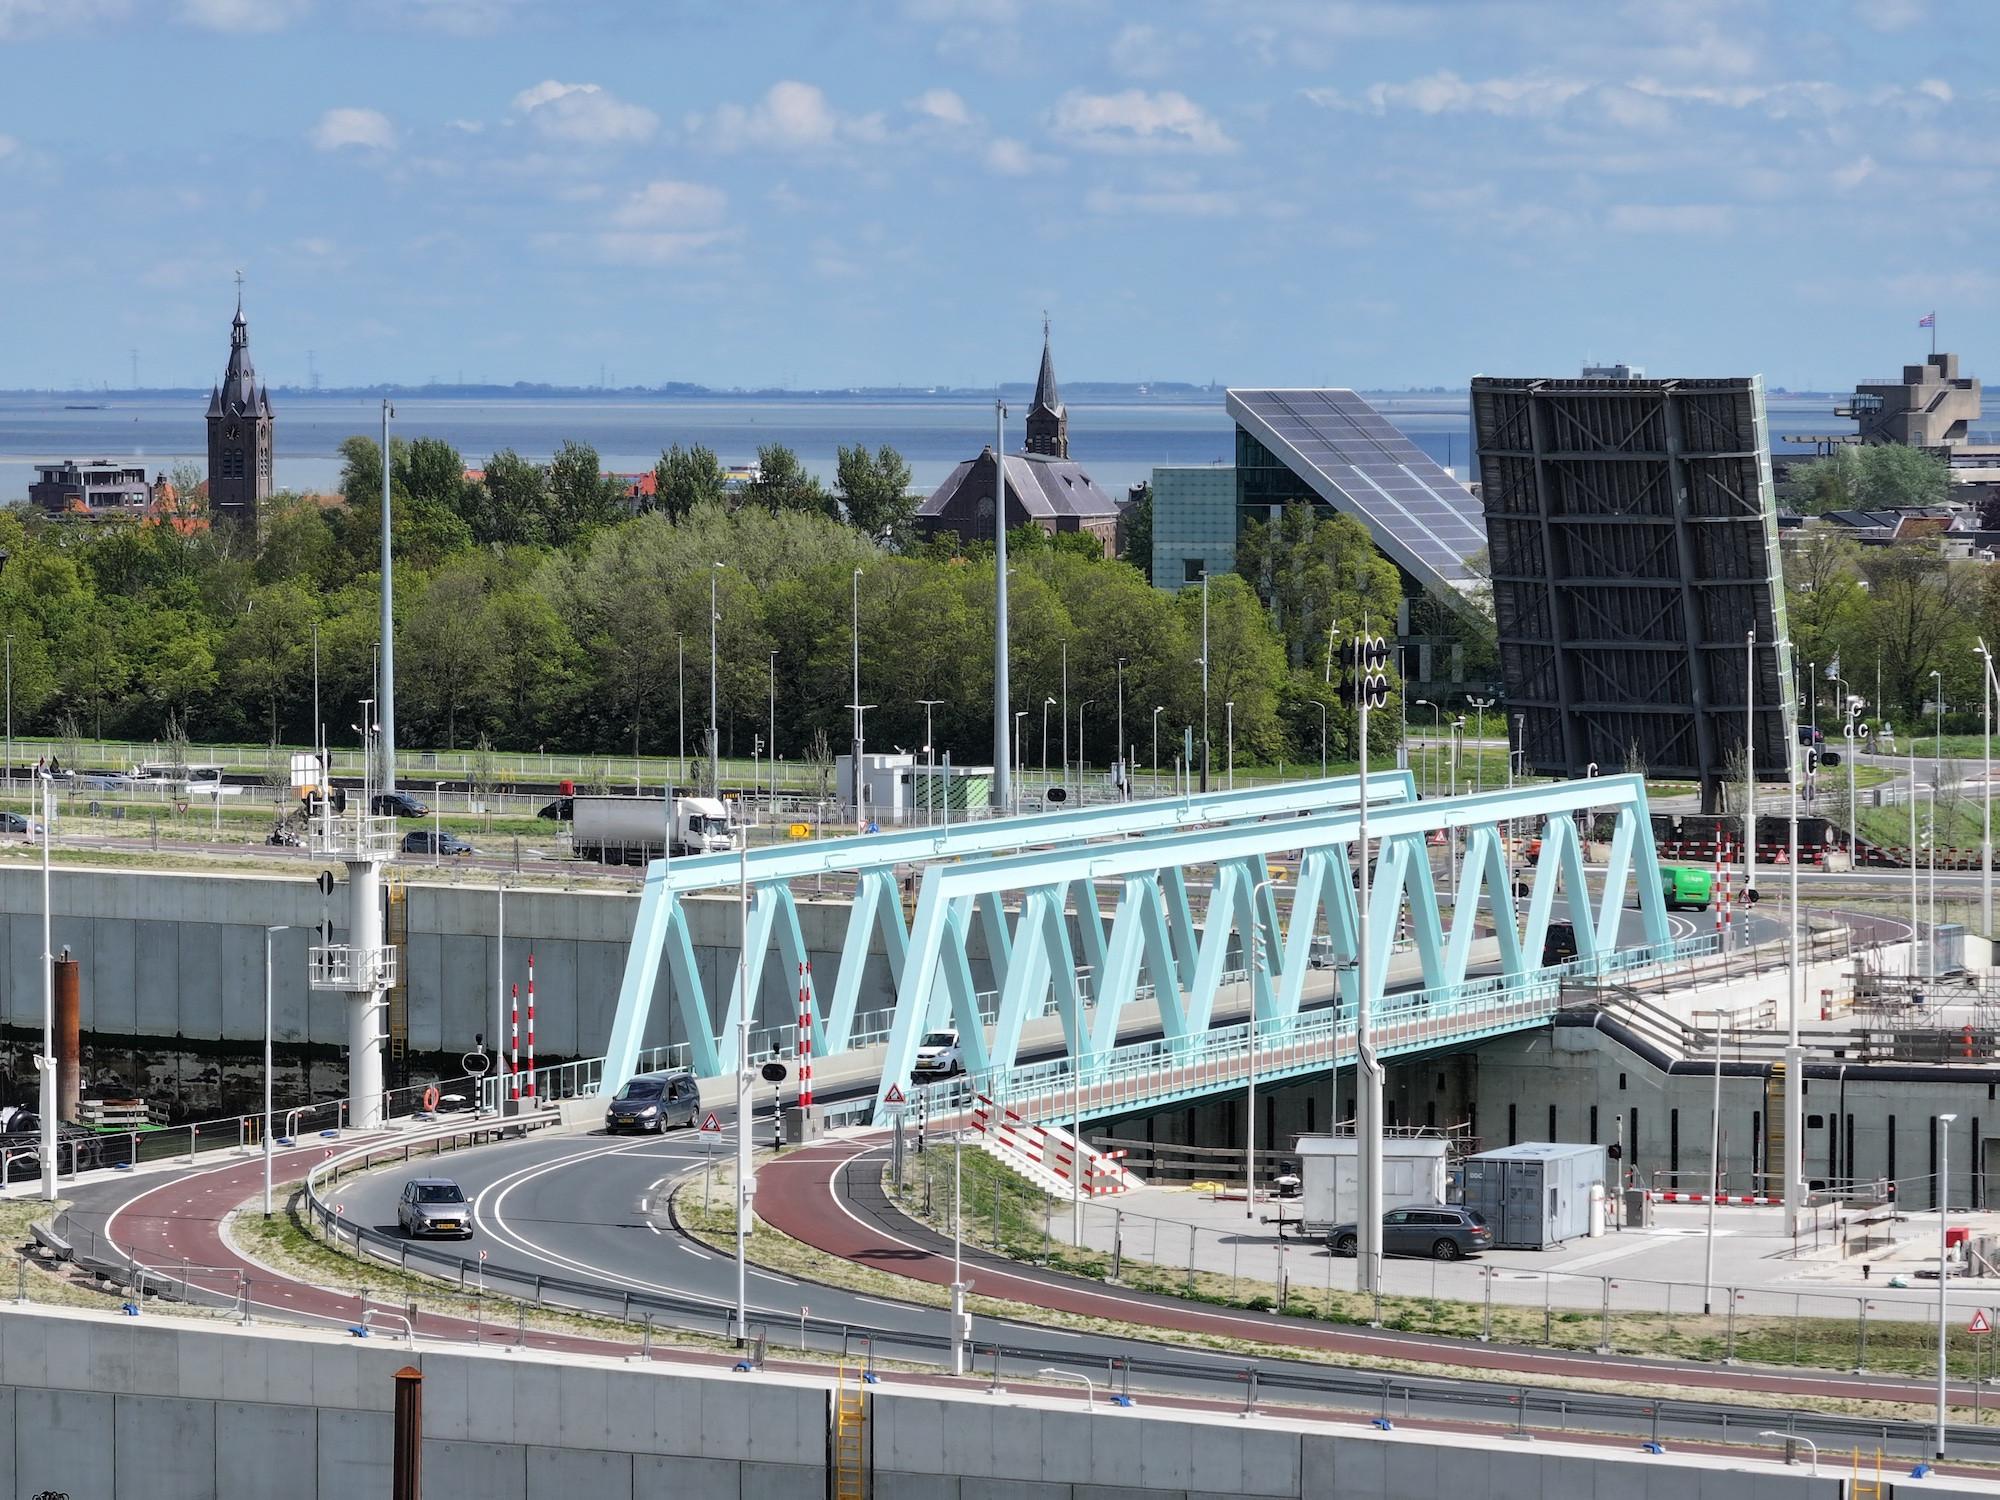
{"x": 434, "y": 1206}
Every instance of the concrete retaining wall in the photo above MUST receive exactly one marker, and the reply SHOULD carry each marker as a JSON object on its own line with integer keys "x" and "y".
{"x": 150, "y": 1409}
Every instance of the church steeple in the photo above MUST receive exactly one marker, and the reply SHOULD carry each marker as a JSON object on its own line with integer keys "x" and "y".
{"x": 239, "y": 430}
{"x": 1048, "y": 422}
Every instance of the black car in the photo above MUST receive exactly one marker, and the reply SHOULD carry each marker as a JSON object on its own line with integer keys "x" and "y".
{"x": 562, "y": 810}
{"x": 423, "y": 841}
{"x": 653, "y": 1101}
{"x": 397, "y": 805}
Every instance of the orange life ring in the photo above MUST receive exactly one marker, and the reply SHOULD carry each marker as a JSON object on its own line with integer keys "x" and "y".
{"x": 431, "y": 1098}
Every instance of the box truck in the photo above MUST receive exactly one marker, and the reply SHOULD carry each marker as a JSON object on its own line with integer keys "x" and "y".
{"x": 633, "y": 830}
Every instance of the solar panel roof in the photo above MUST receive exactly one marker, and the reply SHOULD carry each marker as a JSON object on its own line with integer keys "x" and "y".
{"x": 1356, "y": 460}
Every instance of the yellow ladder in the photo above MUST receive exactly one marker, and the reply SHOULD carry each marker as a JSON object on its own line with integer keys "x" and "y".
{"x": 1861, "y": 1488}
{"x": 1774, "y": 1133}
{"x": 398, "y": 936}
{"x": 850, "y": 1449}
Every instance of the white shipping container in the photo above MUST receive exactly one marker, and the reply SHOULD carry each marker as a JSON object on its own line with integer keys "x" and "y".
{"x": 1413, "y": 1171}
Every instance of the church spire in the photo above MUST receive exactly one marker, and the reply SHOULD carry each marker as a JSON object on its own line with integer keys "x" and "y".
{"x": 1048, "y": 422}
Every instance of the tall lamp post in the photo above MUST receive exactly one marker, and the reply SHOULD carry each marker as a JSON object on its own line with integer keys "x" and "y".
{"x": 772, "y": 747}
{"x": 930, "y": 752}
{"x": 1020, "y": 733}
{"x": 1322, "y": 735}
{"x": 1002, "y": 777}
{"x": 1204, "y": 680}
{"x": 1157, "y": 711}
{"x": 1944, "y": 1309}
{"x": 1259, "y": 957}
{"x": 1124, "y": 770}
{"x": 47, "y": 1061}
{"x": 1437, "y": 734}
{"x": 1079, "y": 747}
{"x": 1986, "y": 789}
{"x": 1229, "y": 721}
{"x": 10, "y": 713}
{"x": 270, "y": 933}
{"x": 714, "y": 724}
{"x": 1047, "y": 704}
{"x": 1937, "y": 744}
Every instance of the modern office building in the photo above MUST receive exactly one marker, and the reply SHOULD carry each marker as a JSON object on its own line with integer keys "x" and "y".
{"x": 1194, "y": 523}
{"x": 91, "y": 487}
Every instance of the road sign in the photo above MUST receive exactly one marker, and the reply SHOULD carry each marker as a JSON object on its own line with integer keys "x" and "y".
{"x": 482, "y": 1255}
{"x": 711, "y": 1126}
{"x": 1979, "y": 1323}
{"x": 326, "y": 882}
{"x": 895, "y": 1097}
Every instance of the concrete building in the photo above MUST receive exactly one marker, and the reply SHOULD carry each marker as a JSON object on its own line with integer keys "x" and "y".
{"x": 1194, "y": 524}
{"x": 1932, "y": 406}
{"x": 91, "y": 487}
{"x": 1614, "y": 372}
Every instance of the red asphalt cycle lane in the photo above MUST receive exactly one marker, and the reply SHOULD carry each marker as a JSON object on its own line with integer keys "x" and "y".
{"x": 800, "y": 1194}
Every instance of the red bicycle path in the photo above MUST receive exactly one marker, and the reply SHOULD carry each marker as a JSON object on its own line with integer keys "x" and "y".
{"x": 805, "y": 1194}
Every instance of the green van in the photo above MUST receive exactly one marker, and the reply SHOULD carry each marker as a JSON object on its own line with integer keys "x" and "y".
{"x": 1686, "y": 886}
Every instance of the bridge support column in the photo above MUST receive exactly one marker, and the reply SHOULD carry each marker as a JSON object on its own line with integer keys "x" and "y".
{"x": 365, "y": 1006}
{"x": 1792, "y": 1168}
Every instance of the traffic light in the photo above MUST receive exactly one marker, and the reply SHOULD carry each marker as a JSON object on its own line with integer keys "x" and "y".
{"x": 1368, "y": 660}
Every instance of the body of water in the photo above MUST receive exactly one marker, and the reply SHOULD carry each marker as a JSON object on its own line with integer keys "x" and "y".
{"x": 1119, "y": 443}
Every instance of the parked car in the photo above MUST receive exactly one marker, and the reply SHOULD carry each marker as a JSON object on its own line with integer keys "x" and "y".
{"x": 1559, "y": 945}
{"x": 424, "y": 841}
{"x": 398, "y": 805}
{"x": 14, "y": 822}
{"x": 655, "y": 1102}
{"x": 939, "y": 1056}
{"x": 1438, "y": 1230}
{"x": 434, "y": 1205}
{"x": 559, "y": 811}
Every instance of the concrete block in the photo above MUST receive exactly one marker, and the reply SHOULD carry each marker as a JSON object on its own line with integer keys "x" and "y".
{"x": 896, "y": 1485}
{"x": 489, "y": 1401}
{"x": 762, "y": 1481}
{"x": 725, "y": 1419}
{"x": 1166, "y": 1461}
{"x": 967, "y": 1432}
{"x": 153, "y": 1359}
{"x": 537, "y": 1404}
{"x": 164, "y": 1446}
{"x": 354, "y": 1449}
{"x": 677, "y": 1416}
{"x": 1317, "y": 1467}
{"x": 59, "y": 1442}
{"x": 107, "y": 1351}
{"x": 687, "y": 1478}
{"x": 473, "y": 1471}
{"x": 255, "y": 1440}
{"x": 1464, "y": 1473}
{"x": 1732, "y": 1484}
{"x": 288, "y": 1372}
{"x": 1411, "y": 1473}
{"x": 110, "y": 978}
{"x": 336, "y": 1377}
{"x": 199, "y": 1011}
{"x": 1123, "y": 1492}
{"x": 909, "y": 1435}
{"x": 1273, "y": 1463}
{"x": 973, "y": 1488}
{"x": 244, "y": 1376}
{"x": 7, "y": 1450}
{"x": 572, "y": 1474}
{"x": 447, "y": 1398}
{"x": 1510, "y": 1466}
{"x": 583, "y": 1409}
{"x": 1015, "y": 1450}
{"x": 1117, "y": 1448}
{"x": 69, "y": 1360}
{"x": 788, "y": 1424}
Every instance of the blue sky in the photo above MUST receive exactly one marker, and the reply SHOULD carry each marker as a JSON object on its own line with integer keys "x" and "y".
{"x": 1360, "y": 192}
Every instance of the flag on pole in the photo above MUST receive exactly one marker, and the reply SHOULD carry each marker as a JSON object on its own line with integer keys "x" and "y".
{"x": 1928, "y": 320}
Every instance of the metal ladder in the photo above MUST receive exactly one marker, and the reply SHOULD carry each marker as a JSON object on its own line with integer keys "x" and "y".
{"x": 1774, "y": 1135}
{"x": 850, "y": 1431}
{"x": 1859, "y": 1485}
{"x": 396, "y": 934}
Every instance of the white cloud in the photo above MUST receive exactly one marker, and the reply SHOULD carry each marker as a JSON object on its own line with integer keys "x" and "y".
{"x": 466, "y": 127}
{"x": 792, "y": 116}
{"x": 22, "y": 18}
{"x": 1852, "y": 175}
{"x": 1195, "y": 203}
{"x": 629, "y": 247}
{"x": 8, "y": 146}
{"x": 1671, "y": 218}
{"x": 1446, "y": 93}
{"x": 584, "y": 112}
{"x": 1890, "y": 15}
{"x": 1007, "y": 157}
{"x": 1142, "y": 51}
{"x": 943, "y": 106}
{"x": 243, "y": 15}
{"x": 667, "y": 204}
{"x": 369, "y": 129}
{"x": 1135, "y": 120}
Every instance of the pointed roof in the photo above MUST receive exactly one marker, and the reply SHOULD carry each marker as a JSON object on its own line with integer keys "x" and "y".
{"x": 1045, "y": 383}
{"x": 239, "y": 382}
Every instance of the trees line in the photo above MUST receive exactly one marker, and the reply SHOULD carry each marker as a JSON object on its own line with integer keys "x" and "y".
{"x": 535, "y": 611}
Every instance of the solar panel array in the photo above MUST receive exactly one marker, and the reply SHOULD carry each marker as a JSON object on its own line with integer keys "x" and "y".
{"x": 1361, "y": 465}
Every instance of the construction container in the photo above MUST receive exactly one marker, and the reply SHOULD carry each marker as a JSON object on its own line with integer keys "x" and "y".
{"x": 1413, "y": 1171}
{"x": 1536, "y": 1194}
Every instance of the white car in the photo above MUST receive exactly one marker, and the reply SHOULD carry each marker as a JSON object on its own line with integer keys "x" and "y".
{"x": 938, "y": 1056}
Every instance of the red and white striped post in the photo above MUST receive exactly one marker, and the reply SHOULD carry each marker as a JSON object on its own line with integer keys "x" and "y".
{"x": 805, "y": 1037}
{"x": 531, "y": 1027}
{"x": 514, "y": 1045}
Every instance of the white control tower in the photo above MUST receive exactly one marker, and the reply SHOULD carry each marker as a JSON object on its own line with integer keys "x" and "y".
{"x": 364, "y": 967}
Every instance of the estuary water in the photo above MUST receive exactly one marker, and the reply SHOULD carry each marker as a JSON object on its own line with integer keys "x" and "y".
{"x": 1120, "y": 442}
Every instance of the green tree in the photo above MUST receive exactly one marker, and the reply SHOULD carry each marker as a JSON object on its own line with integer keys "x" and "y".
{"x": 515, "y": 501}
{"x": 685, "y": 478}
{"x": 582, "y": 498}
{"x": 1320, "y": 574}
{"x": 269, "y": 649}
{"x": 1246, "y": 666}
{"x": 444, "y": 649}
{"x": 875, "y": 489}
{"x": 95, "y": 668}
{"x": 784, "y": 484}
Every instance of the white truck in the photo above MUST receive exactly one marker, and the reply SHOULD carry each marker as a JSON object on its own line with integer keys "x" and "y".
{"x": 633, "y": 830}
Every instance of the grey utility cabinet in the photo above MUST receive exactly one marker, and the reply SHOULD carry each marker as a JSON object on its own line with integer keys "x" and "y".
{"x": 1536, "y": 1194}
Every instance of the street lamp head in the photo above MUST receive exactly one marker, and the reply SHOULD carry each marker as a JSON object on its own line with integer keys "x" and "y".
{"x": 1048, "y": 703}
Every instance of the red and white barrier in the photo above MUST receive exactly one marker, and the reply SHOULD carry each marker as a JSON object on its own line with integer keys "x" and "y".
{"x": 1048, "y": 1155}
{"x": 514, "y": 1044}
{"x": 1743, "y": 1200}
{"x": 805, "y": 1037}
{"x": 529, "y": 1088}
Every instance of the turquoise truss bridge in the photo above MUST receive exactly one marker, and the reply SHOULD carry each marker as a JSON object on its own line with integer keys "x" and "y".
{"x": 1481, "y": 973}
{"x": 661, "y": 933}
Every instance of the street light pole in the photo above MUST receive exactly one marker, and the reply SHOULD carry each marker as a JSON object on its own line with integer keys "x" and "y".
{"x": 1944, "y": 1310}
{"x": 47, "y": 1060}
{"x": 1047, "y": 704}
{"x": 1479, "y": 707}
{"x": 1258, "y": 958}
{"x": 1157, "y": 711}
{"x": 1002, "y": 773}
{"x": 1937, "y": 745}
{"x": 10, "y": 713}
{"x": 681, "y": 707}
{"x": 1322, "y": 736}
{"x": 714, "y": 724}
{"x": 930, "y": 750}
{"x": 1750, "y": 768}
{"x": 1124, "y": 771}
{"x": 744, "y": 1187}
{"x": 1079, "y": 747}
{"x": 269, "y": 934}
{"x": 1204, "y": 679}
{"x": 1065, "y": 715}
{"x": 1229, "y": 720}
{"x": 1986, "y": 790}
{"x": 1714, "y": 1174}
{"x": 771, "y": 749}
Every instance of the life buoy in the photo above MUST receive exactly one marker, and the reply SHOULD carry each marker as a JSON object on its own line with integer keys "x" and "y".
{"x": 431, "y": 1097}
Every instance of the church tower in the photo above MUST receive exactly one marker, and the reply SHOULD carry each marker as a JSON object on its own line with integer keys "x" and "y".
{"x": 239, "y": 433}
{"x": 1048, "y": 423}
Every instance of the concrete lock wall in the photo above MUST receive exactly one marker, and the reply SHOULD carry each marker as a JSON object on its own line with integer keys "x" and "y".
{"x": 121, "y": 1409}
{"x": 168, "y": 956}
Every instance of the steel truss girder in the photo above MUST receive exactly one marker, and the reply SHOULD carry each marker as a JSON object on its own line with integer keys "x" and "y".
{"x": 661, "y": 930}
{"x": 1149, "y": 870}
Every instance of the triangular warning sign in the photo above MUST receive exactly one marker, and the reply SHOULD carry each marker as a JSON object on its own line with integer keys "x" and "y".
{"x": 895, "y": 1095}
{"x": 711, "y": 1126}
{"x": 1979, "y": 1324}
